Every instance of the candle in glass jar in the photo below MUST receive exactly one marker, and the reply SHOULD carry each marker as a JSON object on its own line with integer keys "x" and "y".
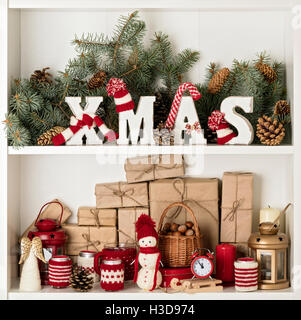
{"x": 225, "y": 258}
{"x": 268, "y": 215}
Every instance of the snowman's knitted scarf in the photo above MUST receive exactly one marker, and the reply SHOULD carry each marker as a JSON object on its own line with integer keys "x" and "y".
{"x": 149, "y": 250}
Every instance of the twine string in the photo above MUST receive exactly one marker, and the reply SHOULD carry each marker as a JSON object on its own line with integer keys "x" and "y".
{"x": 90, "y": 242}
{"x": 124, "y": 194}
{"x": 95, "y": 213}
{"x": 182, "y": 192}
{"x": 232, "y": 213}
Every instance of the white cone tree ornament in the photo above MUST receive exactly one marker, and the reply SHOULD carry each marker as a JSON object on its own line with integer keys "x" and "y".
{"x": 148, "y": 277}
{"x": 31, "y": 251}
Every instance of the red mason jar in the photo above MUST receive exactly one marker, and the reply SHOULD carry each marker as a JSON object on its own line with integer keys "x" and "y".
{"x": 60, "y": 269}
{"x": 127, "y": 253}
{"x": 111, "y": 273}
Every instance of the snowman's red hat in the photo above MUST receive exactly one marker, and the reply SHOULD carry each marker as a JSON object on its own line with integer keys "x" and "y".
{"x": 145, "y": 227}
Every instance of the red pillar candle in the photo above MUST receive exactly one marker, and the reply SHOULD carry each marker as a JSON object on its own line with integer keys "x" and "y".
{"x": 225, "y": 258}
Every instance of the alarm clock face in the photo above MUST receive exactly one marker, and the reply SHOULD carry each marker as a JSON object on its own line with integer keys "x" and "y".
{"x": 202, "y": 267}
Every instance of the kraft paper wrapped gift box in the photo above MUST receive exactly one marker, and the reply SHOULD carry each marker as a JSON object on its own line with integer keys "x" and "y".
{"x": 126, "y": 223}
{"x": 91, "y": 216}
{"x": 201, "y": 195}
{"x": 237, "y": 206}
{"x": 52, "y": 211}
{"x": 154, "y": 167}
{"x": 121, "y": 195}
{"x": 88, "y": 238}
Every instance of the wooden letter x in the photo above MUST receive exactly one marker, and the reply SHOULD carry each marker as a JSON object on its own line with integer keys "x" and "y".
{"x": 92, "y": 104}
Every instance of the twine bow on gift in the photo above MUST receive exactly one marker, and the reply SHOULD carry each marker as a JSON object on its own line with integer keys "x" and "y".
{"x": 124, "y": 194}
{"x": 231, "y": 215}
{"x": 153, "y": 167}
{"x": 184, "y": 199}
{"x": 90, "y": 242}
{"x": 95, "y": 213}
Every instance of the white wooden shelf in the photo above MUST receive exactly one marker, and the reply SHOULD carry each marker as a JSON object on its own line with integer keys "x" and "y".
{"x": 33, "y": 174}
{"x": 142, "y": 150}
{"x": 155, "y": 4}
{"x": 132, "y": 292}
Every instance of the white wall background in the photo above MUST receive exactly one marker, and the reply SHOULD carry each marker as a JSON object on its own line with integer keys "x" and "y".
{"x": 218, "y": 36}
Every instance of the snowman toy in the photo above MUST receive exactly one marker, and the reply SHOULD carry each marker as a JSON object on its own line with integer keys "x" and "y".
{"x": 148, "y": 277}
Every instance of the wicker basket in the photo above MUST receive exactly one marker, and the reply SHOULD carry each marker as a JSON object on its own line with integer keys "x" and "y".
{"x": 177, "y": 250}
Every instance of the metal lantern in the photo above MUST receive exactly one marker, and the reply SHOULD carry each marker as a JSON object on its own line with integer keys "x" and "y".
{"x": 270, "y": 249}
{"x": 53, "y": 240}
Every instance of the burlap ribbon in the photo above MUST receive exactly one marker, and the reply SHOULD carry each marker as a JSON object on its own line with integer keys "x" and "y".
{"x": 182, "y": 193}
{"x": 123, "y": 194}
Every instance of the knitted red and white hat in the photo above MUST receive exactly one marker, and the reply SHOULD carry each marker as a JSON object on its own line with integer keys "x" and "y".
{"x": 123, "y": 100}
{"x": 216, "y": 122}
{"x": 145, "y": 227}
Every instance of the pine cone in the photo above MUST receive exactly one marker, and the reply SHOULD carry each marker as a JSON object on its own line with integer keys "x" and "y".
{"x": 270, "y": 132}
{"x": 267, "y": 71}
{"x": 282, "y": 108}
{"x": 41, "y": 76}
{"x": 97, "y": 80}
{"x": 218, "y": 80}
{"x": 46, "y": 138}
{"x": 81, "y": 280}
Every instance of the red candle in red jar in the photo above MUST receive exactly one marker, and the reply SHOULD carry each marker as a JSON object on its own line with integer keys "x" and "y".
{"x": 127, "y": 253}
{"x": 225, "y": 258}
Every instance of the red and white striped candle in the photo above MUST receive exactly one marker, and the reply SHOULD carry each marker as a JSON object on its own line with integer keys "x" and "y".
{"x": 60, "y": 269}
{"x": 246, "y": 274}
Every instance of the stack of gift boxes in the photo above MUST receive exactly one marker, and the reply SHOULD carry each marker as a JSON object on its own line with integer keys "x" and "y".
{"x": 153, "y": 183}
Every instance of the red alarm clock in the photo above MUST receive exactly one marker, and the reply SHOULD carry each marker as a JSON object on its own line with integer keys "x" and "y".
{"x": 202, "y": 266}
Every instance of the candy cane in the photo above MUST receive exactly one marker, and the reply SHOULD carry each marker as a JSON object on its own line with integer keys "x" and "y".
{"x": 177, "y": 100}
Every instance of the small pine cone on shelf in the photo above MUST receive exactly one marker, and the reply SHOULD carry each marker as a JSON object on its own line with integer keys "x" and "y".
{"x": 45, "y": 139}
{"x": 81, "y": 280}
{"x": 218, "y": 80}
{"x": 41, "y": 76}
{"x": 282, "y": 108}
{"x": 97, "y": 80}
{"x": 270, "y": 131}
{"x": 268, "y": 72}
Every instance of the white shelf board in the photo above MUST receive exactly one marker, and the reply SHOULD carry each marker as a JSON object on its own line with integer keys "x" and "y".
{"x": 270, "y": 5}
{"x": 141, "y": 150}
{"x": 132, "y": 292}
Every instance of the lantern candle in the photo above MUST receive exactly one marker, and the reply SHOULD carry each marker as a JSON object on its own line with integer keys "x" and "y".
{"x": 268, "y": 215}
{"x": 225, "y": 258}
